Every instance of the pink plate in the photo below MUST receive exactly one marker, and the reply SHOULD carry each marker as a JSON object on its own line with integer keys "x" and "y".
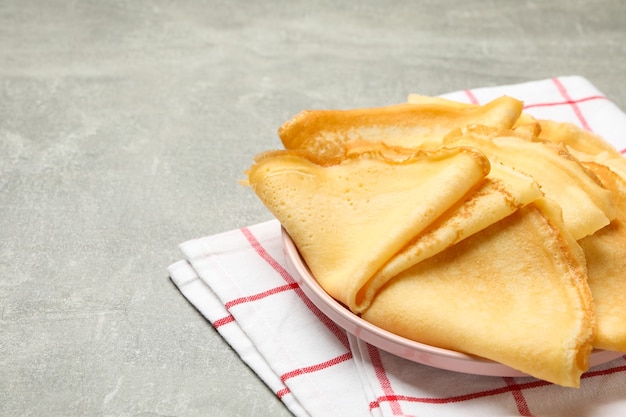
{"x": 392, "y": 343}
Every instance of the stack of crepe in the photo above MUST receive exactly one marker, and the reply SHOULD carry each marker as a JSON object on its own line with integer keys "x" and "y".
{"x": 473, "y": 228}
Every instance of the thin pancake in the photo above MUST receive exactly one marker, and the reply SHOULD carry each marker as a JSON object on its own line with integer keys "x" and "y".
{"x": 584, "y": 145}
{"x": 575, "y": 138}
{"x": 324, "y": 132}
{"x": 617, "y": 163}
{"x": 515, "y": 293}
{"x": 348, "y": 219}
{"x": 586, "y": 205}
{"x": 525, "y": 123}
{"x": 501, "y": 193}
{"x": 605, "y": 251}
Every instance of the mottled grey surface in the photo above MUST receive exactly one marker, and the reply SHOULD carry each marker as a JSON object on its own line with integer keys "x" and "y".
{"x": 124, "y": 126}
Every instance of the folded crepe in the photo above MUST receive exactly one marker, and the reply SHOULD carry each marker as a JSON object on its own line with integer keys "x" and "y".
{"x": 576, "y": 138}
{"x": 348, "y": 218}
{"x": 324, "y": 132}
{"x": 515, "y": 293}
{"x": 606, "y": 267}
{"x": 525, "y": 123}
{"x": 586, "y": 205}
{"x": 584, "y": 145}
{"x": 501, "y": 193}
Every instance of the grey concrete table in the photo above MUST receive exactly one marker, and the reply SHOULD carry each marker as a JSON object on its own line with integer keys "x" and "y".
{"x": 124, "y": 126}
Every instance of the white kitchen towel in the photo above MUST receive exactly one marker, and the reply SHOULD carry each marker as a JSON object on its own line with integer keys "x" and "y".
{"x": 239, "y": 282}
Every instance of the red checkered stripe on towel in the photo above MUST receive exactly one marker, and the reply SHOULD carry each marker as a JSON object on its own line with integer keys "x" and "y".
{"x": 290, "y": 285}
{"x": 513, "y": 387}
{"x": 573, "y": 103}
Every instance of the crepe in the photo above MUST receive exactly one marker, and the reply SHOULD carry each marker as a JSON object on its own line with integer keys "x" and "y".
{"x": 605, "y": 252}
{"x": 347, "y": 219}
{"x": 525, "y": 123}
{"x": 616, "y": 163}
{"x": 534, "y": 314}
{"x": 501, "y": 193}
{"x": 324, "y": 132}
{"x": 586, "y": 205}
{"x": 575, "y": 138}
{"x": 605, "y": 249}
{"x": 583, "y": 145}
